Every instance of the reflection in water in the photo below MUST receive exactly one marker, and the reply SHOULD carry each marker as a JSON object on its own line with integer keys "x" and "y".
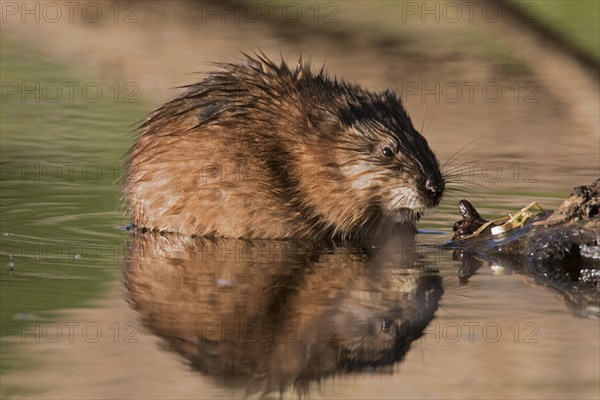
{"x": 576, "y": 282}
{"x": 270, "y": 315}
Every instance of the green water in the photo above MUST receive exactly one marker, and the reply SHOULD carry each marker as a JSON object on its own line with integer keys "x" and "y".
{"x": 61, "y": 149}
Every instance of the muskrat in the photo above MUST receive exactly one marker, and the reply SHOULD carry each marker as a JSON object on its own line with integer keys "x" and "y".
{"x": 263, "y": 150}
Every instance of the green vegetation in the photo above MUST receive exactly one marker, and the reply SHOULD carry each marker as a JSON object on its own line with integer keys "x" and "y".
{"x": 60, "y": 151}
{"x": 577, "y": 20}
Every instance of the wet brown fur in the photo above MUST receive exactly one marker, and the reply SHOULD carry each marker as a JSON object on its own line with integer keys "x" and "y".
{"x": 260, "y": 150}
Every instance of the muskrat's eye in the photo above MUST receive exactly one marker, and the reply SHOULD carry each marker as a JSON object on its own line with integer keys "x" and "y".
{"x": 387, "y": 325}
{"x": 387, "y": 152}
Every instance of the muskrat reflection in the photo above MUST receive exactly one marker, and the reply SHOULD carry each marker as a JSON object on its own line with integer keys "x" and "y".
{"x": 275, "y": 315}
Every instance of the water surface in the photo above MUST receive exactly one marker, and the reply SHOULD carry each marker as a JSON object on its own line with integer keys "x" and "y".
{"x": 156, "y": 317}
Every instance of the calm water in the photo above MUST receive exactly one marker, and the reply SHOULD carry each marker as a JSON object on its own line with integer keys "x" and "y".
{"x": 89, "y": 310}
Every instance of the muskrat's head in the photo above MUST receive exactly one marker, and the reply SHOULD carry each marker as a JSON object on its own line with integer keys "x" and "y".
{"x": 381, "y": 157}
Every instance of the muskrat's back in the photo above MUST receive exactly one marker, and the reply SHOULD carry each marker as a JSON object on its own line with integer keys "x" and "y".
{"x": 260, "y": 150}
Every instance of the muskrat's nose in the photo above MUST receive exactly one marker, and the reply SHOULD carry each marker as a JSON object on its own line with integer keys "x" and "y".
{"x": 435, "y": 188}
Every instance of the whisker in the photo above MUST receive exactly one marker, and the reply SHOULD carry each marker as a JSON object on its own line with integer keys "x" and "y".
{"x": 458, "y": 151}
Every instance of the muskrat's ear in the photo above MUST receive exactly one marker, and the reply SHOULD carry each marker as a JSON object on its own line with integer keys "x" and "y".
{"x": 210, "y": 113}
{"x": 317, "y": 117}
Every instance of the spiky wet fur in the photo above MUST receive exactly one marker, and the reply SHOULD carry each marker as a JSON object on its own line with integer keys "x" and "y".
{"x": 261, "y": 150}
